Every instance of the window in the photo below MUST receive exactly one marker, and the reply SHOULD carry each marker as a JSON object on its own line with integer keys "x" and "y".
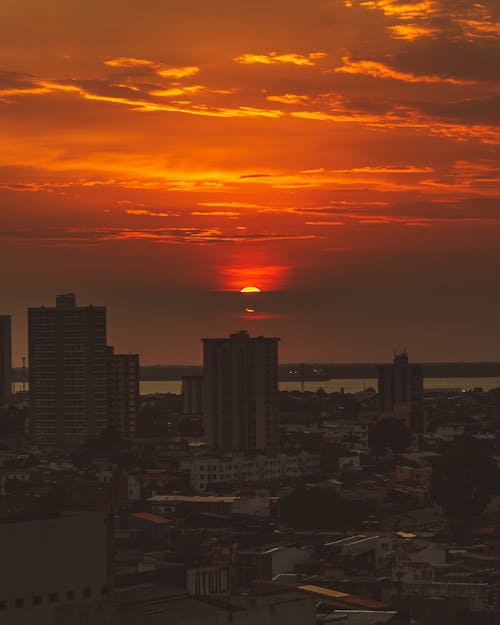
{"x": 53, "y": 597}
{"x": 3, "y": 605}
{"x": 105, "y": 589}
{"x": 70, "y": 595}
{"x": 19, "y": 603}
{"x": 87, "y": 592}
{"x": 37, "y": 600}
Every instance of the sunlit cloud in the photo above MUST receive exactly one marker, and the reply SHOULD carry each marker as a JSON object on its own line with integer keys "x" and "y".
{"x": 215, "y": 213}
{"x": 385, "y": 169}
{"x": 224, "y": 204}
{"x": 380, "y": 70}
{"x": 165, "y": 71}
{"x": 470, "y": 21}
{"x": 273, "y": 58}
{"x": 143, "y": 211}
{"x": 175, "y": 235}
{"x": 411, "y": 32}
{"x": 289, "y": 98}
{"x": 402, "y": 9}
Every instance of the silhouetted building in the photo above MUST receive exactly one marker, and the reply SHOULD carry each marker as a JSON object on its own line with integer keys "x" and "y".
{"x": 240, "y": 392}
{"x": 5, "y": 359}
{"x": 68, "y": 371}
{"x": 57, "y": 571}
{"x": 402, "y": 384}
{"x": 123, "y": 392}
{"x": 192, "y": 394}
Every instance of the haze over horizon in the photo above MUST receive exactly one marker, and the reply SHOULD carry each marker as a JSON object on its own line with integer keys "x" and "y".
{"x": 340, "y": 155}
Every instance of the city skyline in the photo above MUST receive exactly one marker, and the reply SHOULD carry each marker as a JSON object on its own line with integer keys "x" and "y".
{"x": 339, "y": 155}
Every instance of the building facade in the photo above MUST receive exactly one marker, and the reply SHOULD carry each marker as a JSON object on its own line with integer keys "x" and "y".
{"x": 210, "y": 471}
{"x": 56, "y": 571}
{"x": 192, "y": 395}
{"x": 68, "y": 372}
{"x": 123, "y": 392}
{"x": 402, "y": 384}
{"x": 240, "y": 392}
{"x": 5, "y": 359}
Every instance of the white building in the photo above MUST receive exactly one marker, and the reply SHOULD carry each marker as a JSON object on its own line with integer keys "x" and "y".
{"x": 210, "y": 470}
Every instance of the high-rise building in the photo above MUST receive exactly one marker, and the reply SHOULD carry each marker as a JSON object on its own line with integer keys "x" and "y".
{"x": 68, "y": 371}
{"x": 123, "y": 392}
{"x": 192, "y": 394}
{"x": 402, "y": 384}
{"x": 240, "y": 392}
{"x": 5, "y": 359}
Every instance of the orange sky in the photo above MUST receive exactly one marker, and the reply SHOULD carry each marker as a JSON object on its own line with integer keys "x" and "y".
{"x": 341, "y": 155}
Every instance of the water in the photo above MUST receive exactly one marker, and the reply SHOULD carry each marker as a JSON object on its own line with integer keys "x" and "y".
{"x": 350, "y": 385}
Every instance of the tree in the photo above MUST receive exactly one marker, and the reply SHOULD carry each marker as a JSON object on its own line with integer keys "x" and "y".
{"x": 390, "y": 433}
{"x": 464, "y": 479}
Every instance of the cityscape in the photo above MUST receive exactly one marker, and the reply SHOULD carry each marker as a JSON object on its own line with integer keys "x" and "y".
{"x": 249, "y": 312}
{"x": 235, "y": 501}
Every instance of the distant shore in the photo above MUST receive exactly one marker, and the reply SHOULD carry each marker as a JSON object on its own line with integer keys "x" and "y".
{"x": 318, "y": 372}
{"x": 330, "y": 371}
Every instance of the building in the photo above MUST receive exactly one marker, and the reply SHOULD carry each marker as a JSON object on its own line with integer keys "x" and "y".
{"x": 5, "y": 359}
{"x": 240, "y": 392}
{"x": 56, "y": 571}
{"x": 269, "y": 561}
{"x": 209, "y": 471}
{"x": 192, "y": 395}
{"x": 68, "y": 371}
{"x": 162, "y": 605}
{"x": 402, "y": 384}
{"x": 123, "y": 392}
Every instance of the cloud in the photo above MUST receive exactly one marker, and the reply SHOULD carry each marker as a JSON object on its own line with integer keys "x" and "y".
{"x": 215, "y": 213}
{"x": 325, "y": 223}
{"x": 380, "y": 70}
{"x": 289, "y": 98}
{"x": 144, "y": 211}
{"x": 273, "y": 58}
{"x": 101, "y": 92}
{"x": 165, "y": 71}
{"x": 450, "y": 19}
{"x": 463, "y": 60}
{"x": 199, "y": 236}
{"x": 225, "y": 204}
{"x": 385, "y": 169}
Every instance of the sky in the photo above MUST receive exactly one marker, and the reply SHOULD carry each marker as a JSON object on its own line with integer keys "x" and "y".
{"x": 157, "y": 156}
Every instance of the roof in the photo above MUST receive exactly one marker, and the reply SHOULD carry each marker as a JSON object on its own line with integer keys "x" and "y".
{"x": 152, "y": 518}
{"x": 324, "y": 592}
{"x": 343, "y": 597}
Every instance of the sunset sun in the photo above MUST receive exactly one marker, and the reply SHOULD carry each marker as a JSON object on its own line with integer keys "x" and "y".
{"x": 250, "y": 289}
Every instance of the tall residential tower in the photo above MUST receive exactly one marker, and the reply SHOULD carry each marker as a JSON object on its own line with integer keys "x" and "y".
{"x": 402, "y": 384}
{"x": 123, "y": 392}
{"x": 240, "y": 392}
{"x": 5, "y": 359}
{"x": 68, "y": 371}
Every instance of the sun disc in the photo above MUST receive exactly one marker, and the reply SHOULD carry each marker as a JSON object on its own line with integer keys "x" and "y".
{"x": 250, "y": 289}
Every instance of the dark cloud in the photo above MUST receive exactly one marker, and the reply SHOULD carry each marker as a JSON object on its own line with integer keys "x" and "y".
{"x": 484, "y": 111}
{"x": 468, "y": 60}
